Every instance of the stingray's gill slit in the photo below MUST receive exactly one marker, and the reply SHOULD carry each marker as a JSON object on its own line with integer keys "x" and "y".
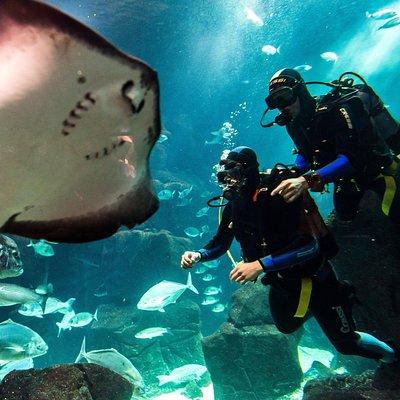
{"x": 75, "y": 114}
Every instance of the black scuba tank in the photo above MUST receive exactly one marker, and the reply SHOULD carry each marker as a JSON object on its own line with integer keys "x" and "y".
{"x": 346, "y": 91}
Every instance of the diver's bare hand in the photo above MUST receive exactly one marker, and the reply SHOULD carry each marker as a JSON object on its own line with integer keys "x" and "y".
{"x": 189, "y": 258}
{"x": 245, "y": 272}
{"x": 291, "y": 189}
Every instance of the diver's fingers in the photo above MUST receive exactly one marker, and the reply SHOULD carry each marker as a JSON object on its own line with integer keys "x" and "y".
{"x": 289, "y": 192}
{"x": 293, "y": 197}
{"x": 186, "y": 262}
{"x": 281, "y": 187}
{"x": 241, "y": 279}
{"x": 235, "y": 273}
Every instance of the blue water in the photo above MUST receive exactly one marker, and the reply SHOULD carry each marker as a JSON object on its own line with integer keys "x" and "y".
{"x": 212, "y": 71}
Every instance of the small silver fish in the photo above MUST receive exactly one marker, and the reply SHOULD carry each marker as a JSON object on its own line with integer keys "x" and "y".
{"x": 385, "y": 13}
{"x": 42, "y": 247}
{"x": 18, "y": 342}
{"x": 11, "y": 294}
{"x": 270, "y": 50}
{"x": 185, "y": 373}
{"x": 211, "y": 264}
{"x": 303, "y": 67}
{"x": 391, "y": 23}
{"x": 162, "y": 138}
{"x": 253, "y": 17}
{"x": 209, "y": 300}
{"x": 164, "y": 293}
{"x": 218, "y": 308}
{"x": 200, "y": 269}
{"x": 208, "y": 278}
{"x": 329, "y": 56}
{"x": 152, "y": 332}
{"x": 191, "y": 231}
{"x": 64, "y": 323}
{"x": 202, "y": 212}
{"x": 112, "y": 359}
{"x": 185, "y": 192}
{"x": 82, "y": 319}
{"x": 101, "y": 291}
{"x": 212, "y": 290}
{"x": 166, "y": 194}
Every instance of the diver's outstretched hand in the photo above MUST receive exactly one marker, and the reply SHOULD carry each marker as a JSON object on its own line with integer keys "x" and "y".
{"x": 246, "y": 272}
{"x": 189, "y": 258}
{"x": 291, "y": 189}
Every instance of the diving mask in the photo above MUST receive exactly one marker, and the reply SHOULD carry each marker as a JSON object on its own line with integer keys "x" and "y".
{"x": 231, "y": 178}
{"x": 281, "y": 98}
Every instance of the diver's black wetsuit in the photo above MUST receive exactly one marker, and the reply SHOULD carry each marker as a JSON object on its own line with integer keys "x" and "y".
{"x": 322, "y": 133}
{"x": 265, "y": 225}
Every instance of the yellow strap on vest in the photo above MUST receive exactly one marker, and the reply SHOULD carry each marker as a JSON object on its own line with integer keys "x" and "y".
{"x": 388, "y": 196}
{"x": 304, "y": 298}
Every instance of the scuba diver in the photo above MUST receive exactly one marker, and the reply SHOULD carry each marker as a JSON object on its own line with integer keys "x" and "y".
{"x": 346, "y": 137}
{"x": 290, "y": 243}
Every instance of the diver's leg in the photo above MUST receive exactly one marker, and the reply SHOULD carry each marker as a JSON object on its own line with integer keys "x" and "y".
{"x": 331, "y": 305}
{"x": 283, "y": 304}
{"x": 388, "y": 189}
{"x": 346, "y": 198}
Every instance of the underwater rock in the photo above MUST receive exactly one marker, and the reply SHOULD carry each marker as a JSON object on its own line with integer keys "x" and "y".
{"x": 251, "y": 363}
{"x": 117, "y": 327}
{"x": 347, "y": 387}
{"x": 244, "y": 312}
{"x": 66, "y": 382}
{"x": 369, "y": 257}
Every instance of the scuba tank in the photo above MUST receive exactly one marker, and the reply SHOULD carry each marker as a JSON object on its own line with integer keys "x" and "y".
{"x": 344, "y": 90}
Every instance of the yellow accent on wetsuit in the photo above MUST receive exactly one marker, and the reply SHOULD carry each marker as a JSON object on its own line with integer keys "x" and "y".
{"x": 304, "y": 298}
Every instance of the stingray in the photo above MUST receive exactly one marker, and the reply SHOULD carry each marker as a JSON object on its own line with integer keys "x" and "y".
{"x": 78, "y": 120}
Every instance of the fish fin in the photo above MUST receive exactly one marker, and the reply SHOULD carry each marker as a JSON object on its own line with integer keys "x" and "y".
{"x": 278, "y": 50}
{"x": 161, "y": 310}
{"x": 59, "y": 329}
{"x": 162, "y": 379}
{"x": 7, "y": 321}
{"x": 17, "y": 349}
{"x": 49, "y": 289}
{"x": 82, "y": 352}
{"x": 30, "y": 244}
{"x": 95, "y": 315}
{"x": 69, "y": 303}
{"x": 190, "y": 285}
{"x": 367, "y": 14}
{"x": 169, "y": 331}
{"x": 43, "y": 302}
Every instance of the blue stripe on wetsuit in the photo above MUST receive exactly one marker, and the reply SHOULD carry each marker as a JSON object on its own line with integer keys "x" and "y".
{"x": 213, "y": 253}
{"x": 297, "y": 256}
{"x": 301, "y": 163}
{"x": 338, "y": 168}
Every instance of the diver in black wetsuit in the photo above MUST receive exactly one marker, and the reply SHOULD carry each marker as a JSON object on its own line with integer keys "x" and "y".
{"x": 339, "y": 142}
{"x": 291, "y": 244}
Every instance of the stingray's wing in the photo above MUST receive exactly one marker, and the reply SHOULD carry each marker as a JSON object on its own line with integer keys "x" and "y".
{"x": 78, "y": 119}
